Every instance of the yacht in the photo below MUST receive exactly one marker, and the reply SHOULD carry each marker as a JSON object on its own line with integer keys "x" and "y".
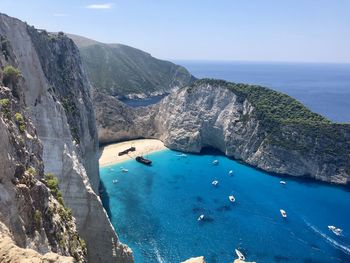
{"x": 200, "y": 218}
{"x": 283, "y": 213}
{"x": 230, "y": 173}
{"x": 232, "y": 198}
{"x": 335, "y": 230}
{"x": 124, "y": 170}
{"x": 282, "y": 182}
{"x": 215, "y": 183}
{"x": 240, "y": 255}
{"x": 215, "y": 162}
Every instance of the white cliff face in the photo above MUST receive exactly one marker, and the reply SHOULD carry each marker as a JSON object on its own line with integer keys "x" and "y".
{"x": 57, "y": 95}
{"x": 210, "y": 115}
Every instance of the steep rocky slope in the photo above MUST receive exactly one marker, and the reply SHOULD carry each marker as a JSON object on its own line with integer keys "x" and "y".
{"x": 31, "y": 216}
{"x": 55, "y": 92}
{"x": 261, "y": 127}
{"x": 123, "y": 71}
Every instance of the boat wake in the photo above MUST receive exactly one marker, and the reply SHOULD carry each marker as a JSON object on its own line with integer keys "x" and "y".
{"x": 157, "y": 253}
{"x": 336, "y": 244}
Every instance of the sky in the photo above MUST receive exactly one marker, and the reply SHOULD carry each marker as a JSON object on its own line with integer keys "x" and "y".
{"x": 243, "y": 30}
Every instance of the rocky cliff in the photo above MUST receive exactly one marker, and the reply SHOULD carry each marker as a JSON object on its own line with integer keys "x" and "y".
{"x": 263, "y": 128}
{"x": 122, "y": 71}
{"x": 55, "y": 94}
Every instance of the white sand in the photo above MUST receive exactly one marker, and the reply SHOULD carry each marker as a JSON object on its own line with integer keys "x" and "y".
{"x": 109, "y": 153}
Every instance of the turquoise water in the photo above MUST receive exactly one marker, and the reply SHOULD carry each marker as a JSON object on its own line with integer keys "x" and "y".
{"x": 155, "y": 210}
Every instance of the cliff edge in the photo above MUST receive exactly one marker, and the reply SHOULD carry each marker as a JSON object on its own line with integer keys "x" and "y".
{"x": 55, "y": 94}
{"x": 263, "y": 128}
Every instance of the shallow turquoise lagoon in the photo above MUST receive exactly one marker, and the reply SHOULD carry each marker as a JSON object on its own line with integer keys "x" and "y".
{"x": 155, "y": 210}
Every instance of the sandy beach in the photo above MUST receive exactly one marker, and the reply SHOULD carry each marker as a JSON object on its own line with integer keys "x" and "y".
{"x": 109, "y": 153}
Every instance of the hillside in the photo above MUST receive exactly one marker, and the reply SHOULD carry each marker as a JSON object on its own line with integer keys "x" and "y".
{"x": 122, "y": 71}
{"x": 263, "y": 128}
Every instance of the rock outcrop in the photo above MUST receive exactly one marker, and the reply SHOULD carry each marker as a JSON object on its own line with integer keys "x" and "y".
{"x": 263, "y": 128}
{"x": 56, "y": 94}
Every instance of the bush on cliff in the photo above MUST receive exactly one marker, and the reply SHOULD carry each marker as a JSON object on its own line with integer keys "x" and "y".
{"x": 11, "y": 76}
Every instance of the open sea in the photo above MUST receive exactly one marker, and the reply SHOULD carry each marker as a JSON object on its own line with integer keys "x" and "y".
{"x": 155, "y": 210}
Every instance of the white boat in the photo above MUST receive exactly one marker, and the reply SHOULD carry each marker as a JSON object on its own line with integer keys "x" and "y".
{"x": 124, "y": 170}
{"x": 215, "y": 162}
{"x": 230, "y": 173}
{"x": 200, "y": 218}
{"x": 182, "y": 155}
{"x": 335, "y": 230}
{"x": 240, "y": 255}
{"x": 282, "y": 182}
{"x": 215, "y": 183}
{"x": 283, "y": 213}
{"x": 115, "y": 181}
{"x": 232, "y": 198}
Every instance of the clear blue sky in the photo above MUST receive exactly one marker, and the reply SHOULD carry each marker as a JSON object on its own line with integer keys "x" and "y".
{"x": 257, "y": 30}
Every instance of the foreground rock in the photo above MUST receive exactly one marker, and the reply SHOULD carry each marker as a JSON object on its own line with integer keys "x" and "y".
{"x": 261, "y": 127}
{"x": 55, "y": 93}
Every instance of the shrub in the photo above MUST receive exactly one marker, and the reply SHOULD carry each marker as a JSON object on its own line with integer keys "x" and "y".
{"x": 11, "y": 76}
{"x": 37, "y": 218}
{"x": 20, "y": 122}
{"x": 31, "y": 171}
{"x": 5, "y": 108}
{"x": 51, "y": 182}
{"x": 4, "y": 103}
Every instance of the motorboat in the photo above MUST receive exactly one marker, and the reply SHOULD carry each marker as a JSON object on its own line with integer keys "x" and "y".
{"x": 232, "y": 198}
{"x": 124, "y": 170}
{"x": 182, "y": 155}
{"x": 283, "y": 213}
{"x": 240, "y": 255}
{"x": 215, "y": 183}
{"x": 282, "y": 182}
{"x": 115, "y": 181}
{"x": 215, "y": 162}
{"x": 335, "y": 230}
{"x": 142, "y": 160}
{"x": 230, "y": 173}
{"x": 200, "y": 218}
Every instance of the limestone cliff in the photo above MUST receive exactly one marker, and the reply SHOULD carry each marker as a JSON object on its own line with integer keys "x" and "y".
{"x": 261, "y": 127}
{"x": 56, "y": 93}
{"x": 31, "y": 216}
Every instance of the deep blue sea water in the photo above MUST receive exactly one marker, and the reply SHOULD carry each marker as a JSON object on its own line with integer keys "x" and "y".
{"x": 155, "y": 210}
{"x": 324, "y": 88}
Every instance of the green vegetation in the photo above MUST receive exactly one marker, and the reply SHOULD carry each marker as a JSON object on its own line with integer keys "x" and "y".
{"x": 51, "y": 182}
{"x": 119, "y": 70}
{"x": 270, "y": 105}
{"x": 286, "y": 121}
{"x": 20, "y": 122}
{"x": 31, "y": 171}
{"x": 5, "y": 107}
{"x": 37, "y": 219}
{"x": 11, "y": 76}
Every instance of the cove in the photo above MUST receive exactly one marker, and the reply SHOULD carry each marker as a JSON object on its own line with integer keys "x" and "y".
{"x": 155, "y": 209}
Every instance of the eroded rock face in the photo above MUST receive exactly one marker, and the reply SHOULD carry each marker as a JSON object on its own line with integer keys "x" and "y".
{"x": 30, "y": 216}
{"x": 56, "y": 94}
{"x": 210, "y": 114}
